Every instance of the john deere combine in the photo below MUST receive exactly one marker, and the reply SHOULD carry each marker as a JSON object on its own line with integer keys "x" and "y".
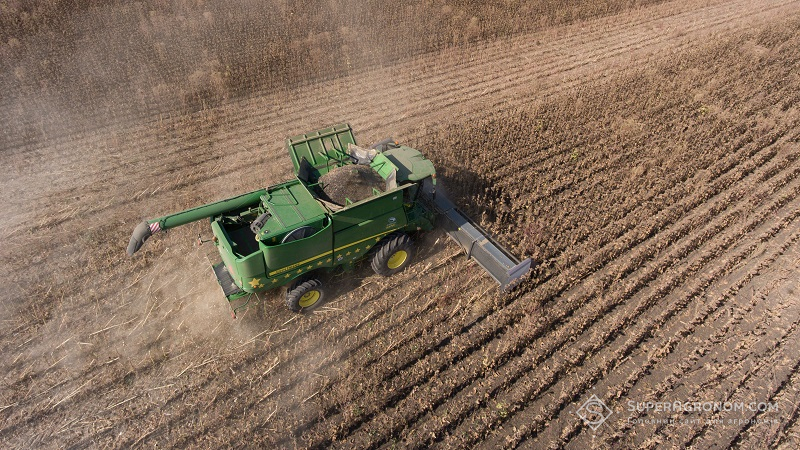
{"x": 289, "y": 233}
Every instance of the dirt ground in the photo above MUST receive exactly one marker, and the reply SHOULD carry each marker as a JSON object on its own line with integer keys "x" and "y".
{"x": 647, "y": 157}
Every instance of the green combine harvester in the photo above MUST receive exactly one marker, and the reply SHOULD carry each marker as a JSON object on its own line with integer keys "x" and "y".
{"x": 290, "y": 233}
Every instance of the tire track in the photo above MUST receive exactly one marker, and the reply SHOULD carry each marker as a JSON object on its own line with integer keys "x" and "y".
{"x": 441, "y": 76}
{"x": 665, "y": 359}
{"x": 768, "y": 369}
{"x": 721, "y": 183}
{"x": 285, "y": 367}
{"x": 602, "y": 364}
{"x": 423, "y": 64}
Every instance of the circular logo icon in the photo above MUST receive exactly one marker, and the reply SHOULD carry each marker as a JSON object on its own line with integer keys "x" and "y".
{"x": 594, "y": 412}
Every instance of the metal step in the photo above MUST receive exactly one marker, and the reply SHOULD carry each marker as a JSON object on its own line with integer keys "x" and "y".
{"x": 225, "y": 280}
{"x": 504, "y": 267}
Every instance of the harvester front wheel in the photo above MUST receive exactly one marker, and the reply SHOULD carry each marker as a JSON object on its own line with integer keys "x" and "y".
{"x": 305, "y": 295}
{"x": 393, "y": 254}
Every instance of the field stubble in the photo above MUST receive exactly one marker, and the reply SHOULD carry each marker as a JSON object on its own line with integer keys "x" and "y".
{"x": 655, "y": 199}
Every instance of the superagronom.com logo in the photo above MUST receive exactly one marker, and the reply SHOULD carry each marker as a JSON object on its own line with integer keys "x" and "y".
{"x": 594, "y": 412}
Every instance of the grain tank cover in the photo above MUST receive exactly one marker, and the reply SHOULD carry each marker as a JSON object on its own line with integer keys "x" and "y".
{"x": 411, "y": 164}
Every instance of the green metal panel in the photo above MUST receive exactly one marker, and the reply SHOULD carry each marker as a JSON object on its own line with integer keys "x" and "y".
{"x": 303, "y": 254}
{"x": 353, "y": 242}
{"x": 291, "y": 206}
{"x": 411, "y": 164}
{"x": 250, "y": 266}
{"x": 383, "y": 165}
{"x": 320, "y": 147}
{"x": 240, "y": 268}
{"x": 419, "y": 217}
{"x": 367, "y": 209}
{"x": 360, "y": 226}
{"x": 223, "y": 244}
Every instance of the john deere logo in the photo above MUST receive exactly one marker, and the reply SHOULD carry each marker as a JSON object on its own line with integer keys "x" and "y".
{"x": 594, "y": 412}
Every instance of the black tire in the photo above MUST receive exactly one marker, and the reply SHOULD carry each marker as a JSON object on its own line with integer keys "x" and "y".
{"x": 393, "y": 254}
{"x": 305, "y": 295}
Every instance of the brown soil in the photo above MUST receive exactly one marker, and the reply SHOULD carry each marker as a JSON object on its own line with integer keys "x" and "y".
{"x": 649, "y": 160}
{"x": 353, "y": 182}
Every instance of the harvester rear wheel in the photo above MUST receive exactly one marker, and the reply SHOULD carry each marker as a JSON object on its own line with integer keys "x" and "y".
{"x": 393, "y": 254}
{"x": 305, "y": 295}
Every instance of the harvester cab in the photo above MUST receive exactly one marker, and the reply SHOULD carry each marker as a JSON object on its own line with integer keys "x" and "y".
{"x": 345, "y": 204}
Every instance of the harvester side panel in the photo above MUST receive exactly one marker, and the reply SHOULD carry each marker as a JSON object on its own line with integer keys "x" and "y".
{"x": 368, "y": 209}
{"x": 293, "y": 254}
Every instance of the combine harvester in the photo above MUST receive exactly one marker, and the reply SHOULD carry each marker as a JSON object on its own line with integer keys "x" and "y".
{"x": 288, "y": 234}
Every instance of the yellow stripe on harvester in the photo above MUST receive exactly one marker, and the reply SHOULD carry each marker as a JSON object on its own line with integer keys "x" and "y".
{"x": 322, "y": 255}
{"x": 298, "y": 264}
{"x": 364, "y": 240}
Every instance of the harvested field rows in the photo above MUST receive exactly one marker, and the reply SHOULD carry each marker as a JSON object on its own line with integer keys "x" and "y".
{"x": 649, "y": 161}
